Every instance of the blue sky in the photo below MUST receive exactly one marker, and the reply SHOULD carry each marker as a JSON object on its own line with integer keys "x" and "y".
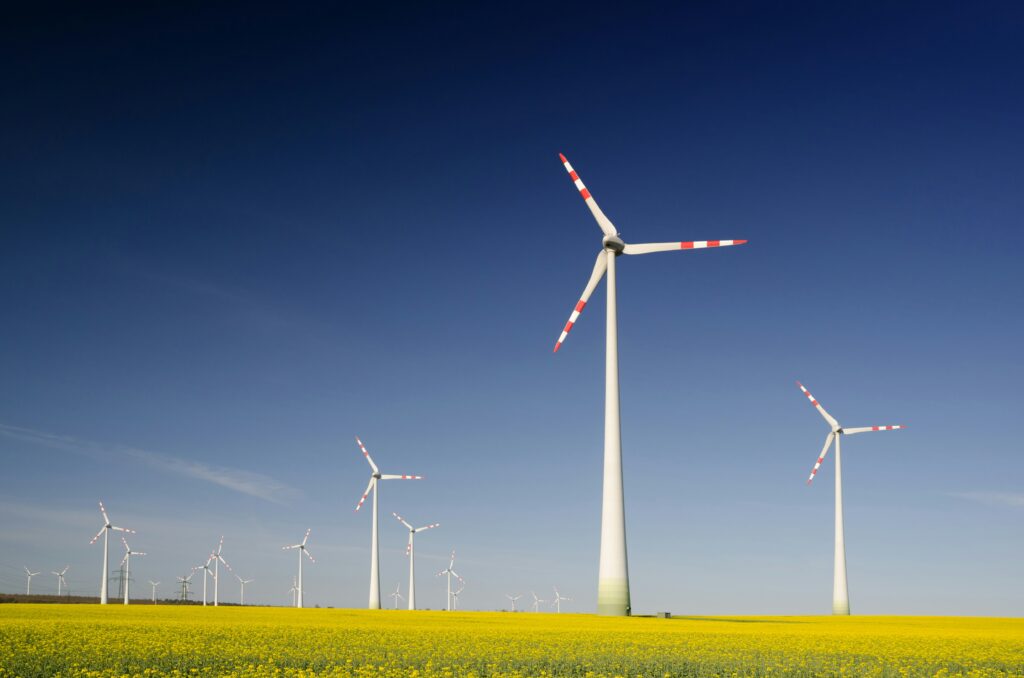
{"x": 235, "y": 238}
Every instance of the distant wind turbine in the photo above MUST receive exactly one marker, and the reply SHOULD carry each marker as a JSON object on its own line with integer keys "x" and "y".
{"x": 127, "y": 562}
{"x": 450, "y": 570}
{"x": 61, "y": 582}
{"x": 840, "y": 591}
{"x": 456, "y": 594}
{"x": 294, "y": 590}
{"x": 207, "y": 573}
{"x": 154, "y": 584}
{"x": 558, "y": 600}
{"x": 514, "y": 599}
{"x": 536, "y": 602}
{"x": 397, "y": 595}
{"x": 29, "y": 573}
{"x": 242, "y": 583}
{"x": 374, "y": 551}
{"x": 105, "y": 533}
{"x": 302, "y": 550}
{"x": 613, "y": 572}
{"x": 217, "y": 560}
{"x": 410, "y": 550}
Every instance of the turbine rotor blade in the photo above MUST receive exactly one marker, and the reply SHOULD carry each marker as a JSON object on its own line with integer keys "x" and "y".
{"x": 309, "y": 555}
{"x": 821, "y": 457}
{"x": 122, "y": 529}
{"x": 367, "y": 455}
{"x": 647, "y": 248}
{"x": 865, "y": 429}
{"x": 106, "y": 518}
{"x": 602, "y": 221}
{"x": 817, "y": 406}
{"x": 365, "y": 494}
{"x": 304, "y": 539}
{"x": 402, "y": 520}
{"x": 600, "y": 266}
{"x": 427, "y": 527}
{"x": 98, "y": 535}
{"x": 392, "y": 476}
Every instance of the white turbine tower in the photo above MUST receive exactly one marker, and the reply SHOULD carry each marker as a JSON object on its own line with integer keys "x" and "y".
{"x": 154, "y": 584}
{"x": 410, "y": 551}
{"x": 613, "y": 572}
{"x": 840, "y": 591}
{"x": 217, "y": 560}
{"x": 242, "y": 583}
{"x": 450, "y": 570}
{"x": 558, "y": 600}
{"x": 302, "y": 550}
{"x": 514, "y": 599}
{"x": 61, "y": 582}
{"x": 397, "y": 595}
{"x": 374, "y": 552}
{"x": 207, "y": 573}
{"x": 536, "y": 602}
{"x": 105, "y": 533}
{"x": 127, "y": 562}
{"x": 29, "y": 573}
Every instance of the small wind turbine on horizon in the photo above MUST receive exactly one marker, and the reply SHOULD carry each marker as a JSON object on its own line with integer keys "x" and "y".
{"x": 557, "y": 602}
{"x": 536, "y": 602}
{"x": 217, "y": 560}
{"x": 397, "y": 595}
{"x": 61, "y": 582}
{"x": 302, "y": 550}
{"x": 154, "y": 584}
{"x": 242, "y": 583}
{"x": 514, "y": 599}
{"x": 105, "y": 533}
{"x": 613, "y": 572}
{"x": 450, "y": 570}
{"x": 207, "y": 573}
{"x": 127, "y": 562}
{"x": 374, "y": 603}
{"x": 294, "y": 590}
{"x": 456, "y": 594}
{"x": 840, "y": 590}
{"x": 410, "y": 551}
{"x": 29, "y": 573}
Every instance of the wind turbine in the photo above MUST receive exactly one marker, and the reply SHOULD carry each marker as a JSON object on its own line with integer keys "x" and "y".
{"x": 185, "y": 583}
{"x": 207, "y": 572}
{"x": 29, "y": 573}
{"x": 374, "y": 554}
{"x": 514, "y": 599}
{"x": 154, "y": 584}
{"x": 60, "y": 580}
{"x": 397, "y": 594}
{"x": 243, "y": 582}
{"x": 536, "y": 602}
{"x": 455, "y": 595}
{"x": 450, "y": 571}
{"x": 302, "y": 549}
{"x": 105, "y": 533}
{"x": 217, "y": 560}
{"x": 410, "y": 551}
{"x": 127, "y": 562}
{"x": 840, "y": 590}
{"x": 293, "y": 590}
{"x": 613, "y": 572}
{"x": 558, "y": 600}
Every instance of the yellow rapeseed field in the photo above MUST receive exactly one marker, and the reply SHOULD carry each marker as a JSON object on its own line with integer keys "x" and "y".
{"x": 145, "y": 640}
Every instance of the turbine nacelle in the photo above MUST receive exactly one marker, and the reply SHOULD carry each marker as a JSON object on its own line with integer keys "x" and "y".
{"x": 613, "y": 243}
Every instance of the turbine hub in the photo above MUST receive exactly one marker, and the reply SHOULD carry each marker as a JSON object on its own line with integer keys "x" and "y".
{"x": 613, "y": 243}
{"x": 377, "y": 476}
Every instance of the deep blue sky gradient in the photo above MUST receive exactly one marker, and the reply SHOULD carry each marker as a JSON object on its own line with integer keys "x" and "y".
{"x": 238, "y": 237}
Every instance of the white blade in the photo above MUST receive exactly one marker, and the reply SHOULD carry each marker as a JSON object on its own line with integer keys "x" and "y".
{"x": 865, "y": 429}
{"x": 817, "y": 406}
{"x": 401, "y": 520}
{"x": 452, "y": 563}
{"x": 365, "y": 494}
{"x": 367, "y": 455}
{"x": 122, "y": 529}
{"x": 293, "y": 546}
{"x": 106, "y": 519}
{"x": 220, "y": 546}
{"x": 600, "y": 266}
{"x": 427, "y": 527}
{"x": 138, "y": 553}
{"x": 821, "y": 457}
{"x": 602, "y": 221}
{"x": 309, "y": 555}
{"x": 647, "y": 248}
{"x": 391, "y": 476}
{"x": 304, "y": 539}
{"x": 98, "y": 535}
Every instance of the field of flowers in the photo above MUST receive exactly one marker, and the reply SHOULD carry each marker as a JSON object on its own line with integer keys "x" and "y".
{"x": 144, "y": 640}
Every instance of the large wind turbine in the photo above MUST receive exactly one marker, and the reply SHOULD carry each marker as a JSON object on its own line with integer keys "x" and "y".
{"x": 105, "y": 533}
{"x": 840, "y": 591}
{"x": 127, "y": 562}
{"x": 217, "y": 560}
{"x": 207, "y": 573}
{"x": 558, "y": 600}
{"x": 29, "y": 574}
{"x": 536, "y": 602}
{"x": 410, "y": 550}
{"x": 242, "y": 583}
{"x": 61, "y": 582}
{"x": 613, "y": 572}
{"x": 302, "y": 550}
{"x": 514, "y": 599}
{"x": 450, "y": 570}
{"x": 374, "y": 554}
